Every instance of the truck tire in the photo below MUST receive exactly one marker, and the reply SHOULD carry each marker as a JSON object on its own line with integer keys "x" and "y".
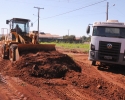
{"x": 4, "y": 54}
{"x": 93, "y": 63}
{"x": 12, "y": 52}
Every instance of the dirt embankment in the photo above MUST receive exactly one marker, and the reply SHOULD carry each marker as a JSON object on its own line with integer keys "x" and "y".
{"x": 62, "y": 75}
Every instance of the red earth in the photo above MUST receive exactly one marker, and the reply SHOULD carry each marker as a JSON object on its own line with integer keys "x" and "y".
{"x": 59, "y": 75}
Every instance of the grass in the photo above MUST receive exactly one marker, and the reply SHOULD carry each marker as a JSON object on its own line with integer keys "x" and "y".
{"x": 84, "y": 47}
{"x": 79, "y": 46}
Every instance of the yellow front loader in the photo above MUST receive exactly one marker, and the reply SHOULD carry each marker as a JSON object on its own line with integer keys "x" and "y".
{"x": 19, "y": 40}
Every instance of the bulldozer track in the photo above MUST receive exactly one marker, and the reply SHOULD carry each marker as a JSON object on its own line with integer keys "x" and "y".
{"x": 11, "y": 92}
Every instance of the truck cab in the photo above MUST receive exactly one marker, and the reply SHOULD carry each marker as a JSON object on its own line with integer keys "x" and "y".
{"x": 107, "y": 42}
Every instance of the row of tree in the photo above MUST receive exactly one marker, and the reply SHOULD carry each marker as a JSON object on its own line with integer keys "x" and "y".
{"x": 66, "y": 38}
{"x": 73, "y": 38}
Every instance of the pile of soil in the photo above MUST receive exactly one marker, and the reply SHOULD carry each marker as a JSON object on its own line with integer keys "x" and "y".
{"x": 65, "y": 77}
{"x": 51, "y": 64}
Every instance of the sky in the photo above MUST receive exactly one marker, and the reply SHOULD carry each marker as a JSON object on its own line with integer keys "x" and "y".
{"x": 62, "y": 17}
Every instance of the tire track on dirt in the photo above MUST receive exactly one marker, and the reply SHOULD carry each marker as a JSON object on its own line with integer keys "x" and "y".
{"x": 105, "y": 76}
{"x": 71, "y": 94}
{"x": 110, "y": 79}
{"x": 10, "y": 91}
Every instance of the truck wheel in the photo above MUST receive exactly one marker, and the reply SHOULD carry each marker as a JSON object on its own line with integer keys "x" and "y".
{"x": 12, "y": 52}
{"x": 94, "y": 63}
{"x": 3, "y": 52}
{"x": 5, "y": 55}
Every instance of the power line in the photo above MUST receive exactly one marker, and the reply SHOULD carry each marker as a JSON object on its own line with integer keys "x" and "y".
{"x": 35, "y": 21}
{"x": 120, "y": 12}
{"x": 79, "y": 15}
{"x": 75, "y": 10}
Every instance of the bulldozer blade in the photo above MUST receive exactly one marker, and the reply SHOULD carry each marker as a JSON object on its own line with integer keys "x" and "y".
{"x": 36, "y": 47}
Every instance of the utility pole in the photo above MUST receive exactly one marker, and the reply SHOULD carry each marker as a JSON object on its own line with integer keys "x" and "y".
{"x": 107, "y": 11}
{"x": 38, "y": 19}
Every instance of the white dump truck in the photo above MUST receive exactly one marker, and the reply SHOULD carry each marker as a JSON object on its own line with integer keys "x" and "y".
{"x": 107, "y": 42}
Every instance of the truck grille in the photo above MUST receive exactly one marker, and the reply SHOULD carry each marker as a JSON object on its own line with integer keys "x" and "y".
{"x": 111, "y": 53}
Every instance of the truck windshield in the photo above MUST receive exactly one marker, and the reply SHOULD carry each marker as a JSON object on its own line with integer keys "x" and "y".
{"x": 109, "y": 31}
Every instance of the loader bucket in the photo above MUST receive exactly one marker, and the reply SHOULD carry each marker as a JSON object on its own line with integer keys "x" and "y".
{"x": 31, "y": 48}
{"x": 36, "y": 47}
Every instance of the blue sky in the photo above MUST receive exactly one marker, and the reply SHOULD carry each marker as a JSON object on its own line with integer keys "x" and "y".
{"x": 75, "y": 15}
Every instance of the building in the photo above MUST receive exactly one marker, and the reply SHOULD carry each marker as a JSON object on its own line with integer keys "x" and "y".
{"x": 43, "y": 37}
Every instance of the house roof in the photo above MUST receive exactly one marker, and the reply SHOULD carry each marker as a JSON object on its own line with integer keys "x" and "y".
{"x": 48, "y": 35}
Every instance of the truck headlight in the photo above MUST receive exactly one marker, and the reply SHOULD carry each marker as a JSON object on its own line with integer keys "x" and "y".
{"x": 92, "y": 47}
{"x": 92, "y": 53}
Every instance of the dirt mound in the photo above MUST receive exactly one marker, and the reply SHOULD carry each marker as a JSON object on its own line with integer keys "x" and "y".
{"x": 46, "y": 64}
{"x": 55, "y": 75}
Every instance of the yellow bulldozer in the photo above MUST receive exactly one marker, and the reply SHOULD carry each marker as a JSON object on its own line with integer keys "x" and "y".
{"x": 19, "y": 39}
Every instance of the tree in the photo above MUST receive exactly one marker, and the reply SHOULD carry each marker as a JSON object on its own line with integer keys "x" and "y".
{"x": 71, "y": 37}
{"x": 88, "y": 39}
{"x": 84, "y": 38}
{"x": 65, "y": 37}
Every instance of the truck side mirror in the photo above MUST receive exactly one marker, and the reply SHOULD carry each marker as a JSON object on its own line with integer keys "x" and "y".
{"x": 7, "y": 21}
{"x": 88, "y": 29}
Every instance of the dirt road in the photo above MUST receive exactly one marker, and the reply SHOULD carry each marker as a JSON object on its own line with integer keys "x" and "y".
{"x": 78, "y": 79}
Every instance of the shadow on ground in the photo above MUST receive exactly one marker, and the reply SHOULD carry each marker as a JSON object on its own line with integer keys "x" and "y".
{"x": 117, "y": 69}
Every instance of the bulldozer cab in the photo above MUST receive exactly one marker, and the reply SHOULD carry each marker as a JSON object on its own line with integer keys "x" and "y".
{"x": 18, "y": 25}
{"x": 21, "y": 26}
